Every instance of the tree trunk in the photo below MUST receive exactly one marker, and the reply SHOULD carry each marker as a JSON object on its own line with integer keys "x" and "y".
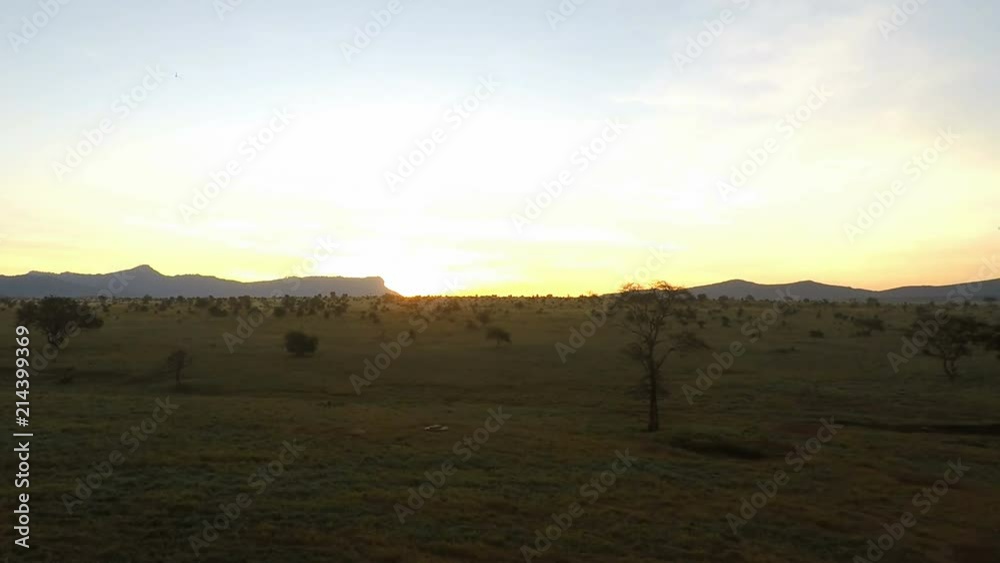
{"x": 949, "y": 368}
{"x": 654, "y": 406}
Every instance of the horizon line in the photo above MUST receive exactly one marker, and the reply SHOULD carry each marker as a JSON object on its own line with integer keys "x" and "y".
{"x": 379, "y": 277}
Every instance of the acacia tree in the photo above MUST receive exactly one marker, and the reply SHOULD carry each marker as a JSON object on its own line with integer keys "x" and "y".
{"x": 649, "y": 314}
{"x": 950, "y": 340}
{"x": 59, "y": 318}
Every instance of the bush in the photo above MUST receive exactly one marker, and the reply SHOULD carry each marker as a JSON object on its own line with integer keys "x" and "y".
{"x": 300, "y": 343}
{"x": 177, "y": 361}
{"x": 867, "y": 325}
{"x": 498, "y": 334}
{"x": 817, "y": 334}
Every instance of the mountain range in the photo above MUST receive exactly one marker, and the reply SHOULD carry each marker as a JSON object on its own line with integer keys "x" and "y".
{"x": 818, "y": 291}
{"x": 144, "y": 280}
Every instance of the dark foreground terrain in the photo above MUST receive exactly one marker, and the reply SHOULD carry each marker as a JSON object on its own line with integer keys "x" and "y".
{"x": 262, "y": 456}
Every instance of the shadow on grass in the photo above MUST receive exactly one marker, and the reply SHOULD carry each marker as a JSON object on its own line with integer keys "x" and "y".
{"x": 721, "y": 446}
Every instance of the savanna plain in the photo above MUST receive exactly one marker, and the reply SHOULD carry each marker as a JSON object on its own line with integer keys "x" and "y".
{"x": 459, "y": 446}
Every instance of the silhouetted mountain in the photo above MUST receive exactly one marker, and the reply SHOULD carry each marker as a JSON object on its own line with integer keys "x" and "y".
{"x": 814, "y": 291}
{"x": 144, "y": 280}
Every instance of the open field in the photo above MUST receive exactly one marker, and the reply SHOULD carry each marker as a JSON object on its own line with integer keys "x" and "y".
{"x": 336, "y": 499}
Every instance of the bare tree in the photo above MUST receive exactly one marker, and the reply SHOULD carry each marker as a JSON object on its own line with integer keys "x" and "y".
{"x": 649, "y": 313}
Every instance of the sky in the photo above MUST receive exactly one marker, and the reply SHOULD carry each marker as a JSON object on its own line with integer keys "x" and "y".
{"x": 516, "y": 147}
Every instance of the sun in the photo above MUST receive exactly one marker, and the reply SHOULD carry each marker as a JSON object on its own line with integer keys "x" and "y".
{"x": 406, "y": 273}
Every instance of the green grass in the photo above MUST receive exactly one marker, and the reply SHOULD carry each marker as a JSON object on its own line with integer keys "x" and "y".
{"x": 336, "y": 502}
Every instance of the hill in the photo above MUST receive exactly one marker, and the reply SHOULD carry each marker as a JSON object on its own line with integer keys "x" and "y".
{"x": 815, "y": 291}
{"x": 144, "y": 280}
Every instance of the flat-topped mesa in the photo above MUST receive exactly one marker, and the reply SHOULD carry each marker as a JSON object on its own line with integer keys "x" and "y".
{"x": 145, "y": 280}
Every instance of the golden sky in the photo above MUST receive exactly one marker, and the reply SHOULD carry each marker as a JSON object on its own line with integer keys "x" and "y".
{"x": 548, "y": 155}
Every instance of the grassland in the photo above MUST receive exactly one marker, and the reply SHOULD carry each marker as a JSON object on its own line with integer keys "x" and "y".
{"x": 336, "y": 501}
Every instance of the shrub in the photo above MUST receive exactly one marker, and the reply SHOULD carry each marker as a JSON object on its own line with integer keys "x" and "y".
{"x": 498, "y": 334}
{"x": 300, "y": 343}
{"x": 816, "y": 334}
{"x": 867, "y": 325}
{"x": 177, "y": 361}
